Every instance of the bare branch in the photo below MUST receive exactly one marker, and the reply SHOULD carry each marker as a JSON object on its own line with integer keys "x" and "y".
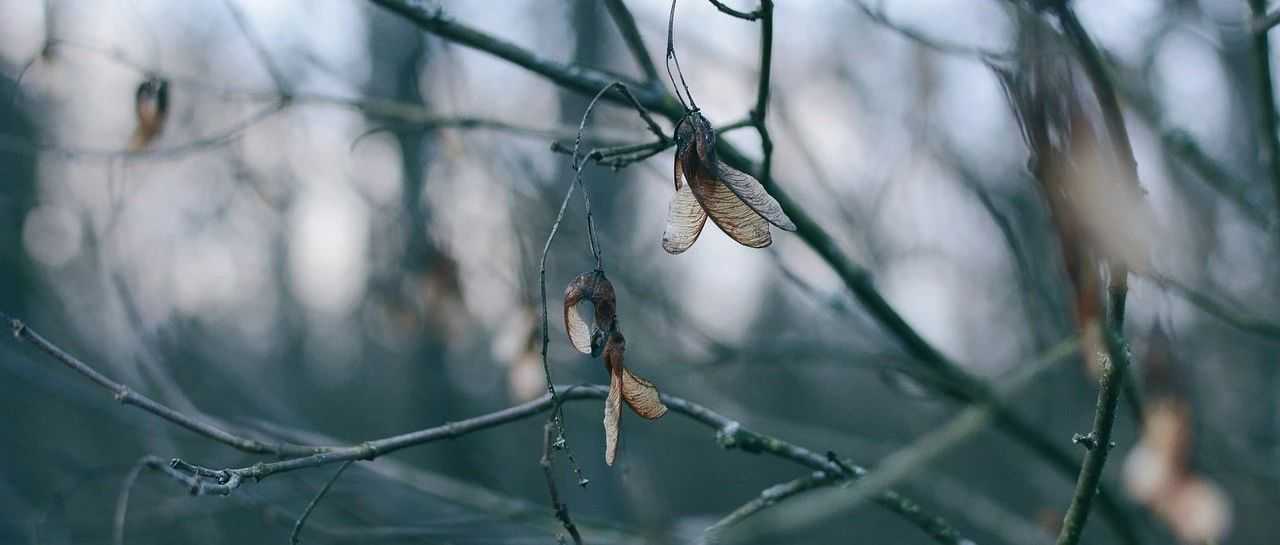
{"x": 1100, "y": 438}
{"x": 122, "y": 502}
{"x": 126, "y": 396}
{"x": 729, "y": 434}
{"x": 296, "y": 535}
{"x": 762, "y": 91}
{"x": 903, "y": 463}
{"x": 1262, "y": 23}
{"x": 561, "y": 509}
{"x": 631, "y": 36}
{"x": 255, "y": 41}
{"x": 1269, "y": 140}
{"x": 1222, "y": 311}
{"x": 744, "y": 15}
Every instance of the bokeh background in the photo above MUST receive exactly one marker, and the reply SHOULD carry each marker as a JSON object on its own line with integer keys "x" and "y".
{"x": 331, "y": 271}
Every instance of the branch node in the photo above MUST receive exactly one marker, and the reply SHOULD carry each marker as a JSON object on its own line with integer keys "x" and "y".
{"x": 1087, "y": 440}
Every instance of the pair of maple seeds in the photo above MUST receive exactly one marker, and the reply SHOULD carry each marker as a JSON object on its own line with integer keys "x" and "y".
{"x": 705, "y": 187}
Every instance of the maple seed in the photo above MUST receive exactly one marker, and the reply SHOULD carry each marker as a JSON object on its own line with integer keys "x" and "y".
{"x": 151, "y": 106}
{"x": 604, "y": 337}
{"x": 593, "y": 287}
{"x": 639, "y": 394}
{"x": 706, "y": 186}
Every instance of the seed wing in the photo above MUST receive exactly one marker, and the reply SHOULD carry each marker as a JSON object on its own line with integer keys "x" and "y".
{"x": 730, "y": 213}
{"x": 685, "y": 219}
{"x": 747, "y": 188}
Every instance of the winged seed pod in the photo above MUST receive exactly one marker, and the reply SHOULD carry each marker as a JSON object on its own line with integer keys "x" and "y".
{"x": 151, "y": 106}
{"x": 639, "y": 394}
{"x": 706, "y": 186}
{"x": 603, "y": 336}
{"x": 594, "y": 287}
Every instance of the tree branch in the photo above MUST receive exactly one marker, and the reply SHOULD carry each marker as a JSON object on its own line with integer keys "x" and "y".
{"x": 762, "y": 92}
{"x": 296, "y": 535}
{"x": 631, "y": 36}
{"x": 277, "y": 76}
{"x": 578, "y": 78}
{"x": 126, "y": 396}
{"x": 903, "y": 463}
{"x": 1269, "y": 146}
{"x": 1263, "y": 22}
{"x": 561, "y": 510}
{"x": 744, "y": 15}
{"x": 1100, "y": 439}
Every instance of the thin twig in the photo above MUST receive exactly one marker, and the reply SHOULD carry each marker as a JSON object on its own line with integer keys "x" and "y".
{"x": 1268, "y": 145}
{"x": 127, "y": 396}
{"x": 1217, "y": 309}
{"x": 758, "y": 114}
{"x": 1109, "y": 386}
{"x": 579, "y": 78}
{"x": 901, "y": 464}
{"x": 217, "y": 139}
{"x": 260, "y": 48}
{"x": 744, "y": 15}
{"x": 671, "y": 56}
{"x": 122, "y": 502}
{"x": 557, "y": 415}
{"x": 296, "y": 535}
{"x": 631, "y": 36}
{"x": 729, "y": 434}
{"x": 560, "y": 508}
{"x": 928, "y": 42}
{"x": 769, "y": 497}
{"x": 1263, "y": 23}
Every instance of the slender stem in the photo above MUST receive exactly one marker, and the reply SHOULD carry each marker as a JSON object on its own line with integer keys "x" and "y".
{"x": 906, "y": 462}
{"x": 578, "y": 78}
{"x": 772, "y": 496}
{"x": 122, "y": 501}
{"x": 296, "y": 535}
{"x": 1263, "y": 22}
{"x": 631, "y": 36}
{"x": 260, "y": 48}
{"x": 1269, "y": 147}
{"x": 744, "y": 15}
{"x": 762, "y": 92}
{"x": 560, "y": 509}
{"x": 557, "y": 416}
{"x": 1219, "y": 310}
{"x": 127, "y": 396}
{"x": 729, "y": 434}
{"x": 1109, "y": 386}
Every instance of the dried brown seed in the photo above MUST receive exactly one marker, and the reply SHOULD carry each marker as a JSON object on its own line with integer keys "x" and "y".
{"x": 151, "y": 106}
{"x": 594, "y": 287}
{"x": 612, "y": 415}
{"x": 685, "y": 219}
{"x": 642, "y": 396}
{"x": 613, "y": 360}
{"x": 734, "y": 200}
{"x": 730, "y": 214}
{"x": 747, "y": 188}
